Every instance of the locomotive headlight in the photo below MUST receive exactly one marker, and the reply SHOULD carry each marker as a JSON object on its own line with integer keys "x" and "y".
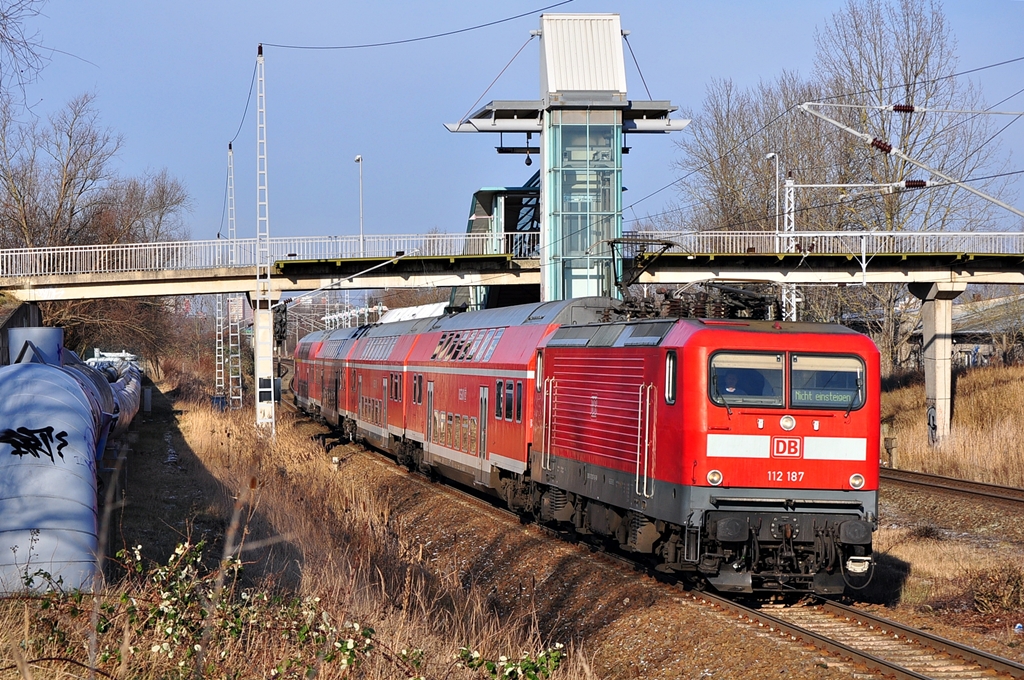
{"x": 857, "y": 480}
{"x": 714, "y": 478}
{"x": 787, "y": 423}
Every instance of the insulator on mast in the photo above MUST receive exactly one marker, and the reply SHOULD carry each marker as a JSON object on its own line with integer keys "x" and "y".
{"x": 882, "y": 146}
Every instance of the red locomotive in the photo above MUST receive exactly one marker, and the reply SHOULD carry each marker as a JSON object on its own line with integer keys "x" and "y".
{"x": 744, "y": 452}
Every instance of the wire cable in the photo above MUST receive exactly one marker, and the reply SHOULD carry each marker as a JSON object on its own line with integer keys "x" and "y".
{"x": 484, "y": 94}
{"x": 820, "y": 206}
{"x": 637, "y": 64}
{"x": 406, "y": 41}
{"x": 248, "y": 99}
{"x": 776, "y": 119}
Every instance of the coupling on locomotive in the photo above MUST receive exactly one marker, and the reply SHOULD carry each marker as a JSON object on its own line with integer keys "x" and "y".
{"x": 741, "y": 453}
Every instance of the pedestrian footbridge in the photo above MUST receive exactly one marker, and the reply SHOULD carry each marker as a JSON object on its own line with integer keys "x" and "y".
{"x": 441, "y": 260}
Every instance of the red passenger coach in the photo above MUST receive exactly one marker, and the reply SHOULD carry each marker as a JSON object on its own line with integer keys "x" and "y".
{"x": 743, "y": 452}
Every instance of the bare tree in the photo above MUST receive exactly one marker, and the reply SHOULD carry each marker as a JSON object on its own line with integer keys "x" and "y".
{"x": 59, "y": 186}
{"x": 870, "y": 55}
{"x": 20, "y": 49}
{"x": 55, "y": 176}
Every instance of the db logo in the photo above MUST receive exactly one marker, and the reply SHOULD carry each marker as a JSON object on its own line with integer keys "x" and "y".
{"x": 787, "y": 447}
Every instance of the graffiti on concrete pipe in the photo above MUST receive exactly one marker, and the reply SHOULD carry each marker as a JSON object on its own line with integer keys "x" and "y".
{"x": 36, "y": 443}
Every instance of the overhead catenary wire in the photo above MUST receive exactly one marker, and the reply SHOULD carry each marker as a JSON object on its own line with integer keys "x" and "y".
{"x": 774, "y": 120}
{"x": 910, "y": 108}
{"x": 252, "y": 80}
{"x": 405, "y": 41}
{"x": 832, "y": 204}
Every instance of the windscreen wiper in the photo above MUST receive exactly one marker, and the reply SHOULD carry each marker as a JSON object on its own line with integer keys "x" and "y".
{"x": 714, "y": 381}
{"x": 849, "y": 407}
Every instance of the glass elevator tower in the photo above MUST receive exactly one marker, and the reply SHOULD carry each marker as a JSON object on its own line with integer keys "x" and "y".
{"x": 582, "y": 120}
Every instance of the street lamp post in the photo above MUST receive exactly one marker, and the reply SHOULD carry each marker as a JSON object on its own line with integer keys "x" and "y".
{"x": 359, "y": 160}
{"x": 776, "y": 157}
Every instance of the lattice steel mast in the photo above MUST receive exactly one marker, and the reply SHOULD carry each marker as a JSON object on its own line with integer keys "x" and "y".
{"x": 235, "y": 301}
{"x": 263, "y": 325}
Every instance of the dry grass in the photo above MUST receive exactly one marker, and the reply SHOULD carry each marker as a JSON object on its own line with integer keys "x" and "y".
{"x": 986, "y": 426}
{"x": 319, "y": 552}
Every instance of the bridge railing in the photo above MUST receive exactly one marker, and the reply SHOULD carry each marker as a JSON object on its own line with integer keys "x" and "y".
{"x": 829, "y": 242}
{"x": 199, "y": 255}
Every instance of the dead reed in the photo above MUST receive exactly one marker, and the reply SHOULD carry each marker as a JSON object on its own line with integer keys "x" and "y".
{"x": 984, "y": 444}
{"x": 311, "y": 578}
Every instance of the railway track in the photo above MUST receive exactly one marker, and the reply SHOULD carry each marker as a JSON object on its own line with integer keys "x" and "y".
{"x": 1006, "y": 494}
{"x": 880, "y": 646}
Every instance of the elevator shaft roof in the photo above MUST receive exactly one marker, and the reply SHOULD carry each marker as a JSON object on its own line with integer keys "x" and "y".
{"x": 526, "y": 116}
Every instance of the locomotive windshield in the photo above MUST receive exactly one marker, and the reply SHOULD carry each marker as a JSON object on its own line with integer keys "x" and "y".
{"x": 828, "y": 382}
{"x": 746, "y": 379}
{"x": 816, "y": 381}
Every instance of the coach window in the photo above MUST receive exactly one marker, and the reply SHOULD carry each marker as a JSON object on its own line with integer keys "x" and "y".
{"x": 474, "y": 352}
{"x": 826, "y": 382}
{"x": 472, "y": 435}
{"x": 465, "y": 433}
{"x": 448, "y": 430}
{"x": 670, "y": 378}
{"x": 540, "y": 370}
{"x": 498, "y": 394}
{"x": 746, "y": 379}
{"x": 519, "y": 401}
{"x": 457, "y": 433}
{"x": 509, "y": 387}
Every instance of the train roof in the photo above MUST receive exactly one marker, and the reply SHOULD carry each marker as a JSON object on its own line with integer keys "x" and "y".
{"x": 570, "y": 312}
{"x": 315, "y": 336}
{"x": 651, "y": 332}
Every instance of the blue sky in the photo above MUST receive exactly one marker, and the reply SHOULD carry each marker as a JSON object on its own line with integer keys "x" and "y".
{"x": 172, "y": 77}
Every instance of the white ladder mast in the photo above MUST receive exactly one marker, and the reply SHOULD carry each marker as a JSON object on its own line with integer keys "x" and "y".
{"x": 263, "y": 316}
{"x": 235, "y": 301}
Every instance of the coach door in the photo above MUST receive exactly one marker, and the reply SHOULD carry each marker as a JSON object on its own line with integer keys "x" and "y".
{"x": 431, "y": 424}
{"x": 483, "y": 472}
{"x": 484, "y": 393}
{"x": 331, "y": 398}
{"x": 384, "y": 408}
{"x": 360, "y": 410}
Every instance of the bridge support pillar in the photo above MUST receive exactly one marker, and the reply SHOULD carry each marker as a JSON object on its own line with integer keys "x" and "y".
{"x": 263, "y": 357}
{"x": 937, "y": 348}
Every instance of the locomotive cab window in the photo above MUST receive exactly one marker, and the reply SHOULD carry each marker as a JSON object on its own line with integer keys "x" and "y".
{"x": 670, "y": 378}
{"x": 826, "y": 382}
{"x": 746, "y": 379}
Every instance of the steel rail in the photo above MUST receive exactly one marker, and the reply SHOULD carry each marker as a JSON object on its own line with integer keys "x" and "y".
{"x": 939, "y": 644}
{"x": 997, "y": 492}
{"x": 844, "y": 651}
{"x": 905, "y": 634}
